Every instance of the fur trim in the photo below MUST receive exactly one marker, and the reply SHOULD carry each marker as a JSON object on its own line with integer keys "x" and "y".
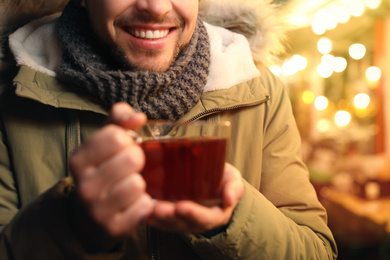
{"x": 260, "y": 21}
{"x": 16, "y": 13}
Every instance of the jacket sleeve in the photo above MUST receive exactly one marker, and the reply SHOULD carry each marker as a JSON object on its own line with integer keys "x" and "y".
{"x": 8, "y": 193}
{"x": 283, "y": 219}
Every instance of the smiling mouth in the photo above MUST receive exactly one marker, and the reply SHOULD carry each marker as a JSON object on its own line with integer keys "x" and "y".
{"x": 149, "y": 34}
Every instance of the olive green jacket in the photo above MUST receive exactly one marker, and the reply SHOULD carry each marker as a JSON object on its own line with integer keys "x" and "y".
{"x": 42, "y": 121}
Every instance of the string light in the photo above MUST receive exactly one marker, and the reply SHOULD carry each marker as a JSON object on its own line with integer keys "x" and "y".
{"x": 342, "y": 118}
{"x": 324, "y": 45}
{"x": 357, "y": 51}
{"x": 373, "y": 73}
{"x": 329, "y": 17}
{"x": 339, "y": 64}
{"x": 361, "y": 100}
{"x": 321, "y": 103}
{"x": 276, "y": 70}
{"x": 325, "y": 70}
{"x": 299, "y": 61}
{"x": 323, "y": 125}
{"x": 342, "y": 14}
{"x": 356, "y": 7}
{"x": 307, "y": 97}
{"x": 372, "y": 4}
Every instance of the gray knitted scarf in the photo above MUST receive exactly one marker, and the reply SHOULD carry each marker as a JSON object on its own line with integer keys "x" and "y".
{"x": 167, "y": 95}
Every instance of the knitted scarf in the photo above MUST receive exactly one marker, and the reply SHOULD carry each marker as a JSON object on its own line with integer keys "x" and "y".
{"x": 167, "y": 95}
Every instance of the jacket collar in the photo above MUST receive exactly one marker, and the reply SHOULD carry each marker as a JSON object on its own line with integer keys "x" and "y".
{"x": 48, "y": 90}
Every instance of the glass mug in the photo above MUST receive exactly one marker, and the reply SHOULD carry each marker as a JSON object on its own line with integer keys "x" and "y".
{"x": 184, "y": 161}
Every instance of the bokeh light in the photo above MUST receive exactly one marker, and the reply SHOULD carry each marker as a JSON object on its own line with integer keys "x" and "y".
{"x": 373, "y": 73}
{"x": 325, "y": 70}
{"x": 356, "y": 7}
{"x": 276, "y": 70}
{"x": 323, "y": 125}
{"x": 324, "y": 46}
{"x": 372, "y": 4}
{"x": 339, "y": 64}
{"x": 308, "y": 97}
{"x": 342, "y": 14}
{"x": 357, "y": 51}
{"x": 321, "y": 103}
{"x": 299, "y": 61}
{"x": 342, "y": 118}
{"x": 362, "y": 100}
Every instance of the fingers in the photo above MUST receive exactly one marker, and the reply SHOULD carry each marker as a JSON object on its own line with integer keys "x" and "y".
{"x": 97, "y": 183}
{"x": 124, "y": 115}
{"x": 126, "y": 222}
{"x": 106, "y": 169}
{"x": 233, "y": 186}
{"x": 102, "y": 145}
{"x": 188, "y": 216}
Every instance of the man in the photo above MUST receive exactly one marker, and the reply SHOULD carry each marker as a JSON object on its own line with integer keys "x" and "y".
{"x": 131, "y": 60}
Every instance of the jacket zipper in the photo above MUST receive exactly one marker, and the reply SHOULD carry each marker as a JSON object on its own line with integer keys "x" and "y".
{"x": 216, "y": 110}
{"x": 152, "y": 244}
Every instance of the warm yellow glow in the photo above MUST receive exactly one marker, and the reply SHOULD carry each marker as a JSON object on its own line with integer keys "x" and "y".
{"x": 321, "y": 103}
{"x": 276, "y": 70}
{"x": 299, "y": 61}
{"x": 325, "y": 70}
{"x": 318, "y": 27}
{"x": 361, "y": 100}
{"x": 330, "y": 20}
{"x": 356, "y": 7}
{"x": 324, "y": 46}
{"x": 342, "y": 14}
{"x": 339, "y": 64}
{"x": 307, "y": 97}
{"x": 327, "y": 59}
{"x": 342, "y": 118}
{"x": 289, "y": 68}
{"x": 320, "y": 22}
{"x": 372, "y": 4}
{"x": 373, "y": 73}
{"x": 293, "y": 65}
{"x": 323, "y": 125}
{"x": 357, "y": 51}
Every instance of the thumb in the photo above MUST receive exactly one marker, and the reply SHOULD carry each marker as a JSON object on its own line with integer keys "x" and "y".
{"x": 124, "y": 115}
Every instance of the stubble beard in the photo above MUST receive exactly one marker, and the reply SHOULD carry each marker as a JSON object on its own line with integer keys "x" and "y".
{"x": 127, "y": 63}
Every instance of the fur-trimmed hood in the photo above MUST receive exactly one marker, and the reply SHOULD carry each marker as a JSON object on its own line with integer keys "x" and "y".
{"x": 16, "y": 13}
{"x": 260, "y": 21}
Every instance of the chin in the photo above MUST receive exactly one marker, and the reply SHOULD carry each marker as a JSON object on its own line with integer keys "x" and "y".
{"x": 151, "y": 64}
{"x": 148, "y": 61}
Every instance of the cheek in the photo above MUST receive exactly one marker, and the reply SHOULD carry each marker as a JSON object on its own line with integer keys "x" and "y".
{"x": 102, "y": 15}
{"x": 187, "y": 10}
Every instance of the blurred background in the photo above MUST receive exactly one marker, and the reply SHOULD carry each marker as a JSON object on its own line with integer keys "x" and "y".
{"x": 337, "y": 72}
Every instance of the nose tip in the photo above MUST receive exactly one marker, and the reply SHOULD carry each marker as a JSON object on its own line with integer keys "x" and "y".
{"x": 156, "y": 8}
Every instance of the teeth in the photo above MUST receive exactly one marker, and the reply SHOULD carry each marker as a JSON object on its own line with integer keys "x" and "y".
{"x": 149, "y": 34}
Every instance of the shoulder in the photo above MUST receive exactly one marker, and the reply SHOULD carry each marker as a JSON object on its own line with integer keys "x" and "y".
{"x": 272, "y": 83}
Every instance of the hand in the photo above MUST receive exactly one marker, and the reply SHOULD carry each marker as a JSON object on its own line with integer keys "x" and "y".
{"x": 190, "y": 217}
{"x": 106, "y": 169}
